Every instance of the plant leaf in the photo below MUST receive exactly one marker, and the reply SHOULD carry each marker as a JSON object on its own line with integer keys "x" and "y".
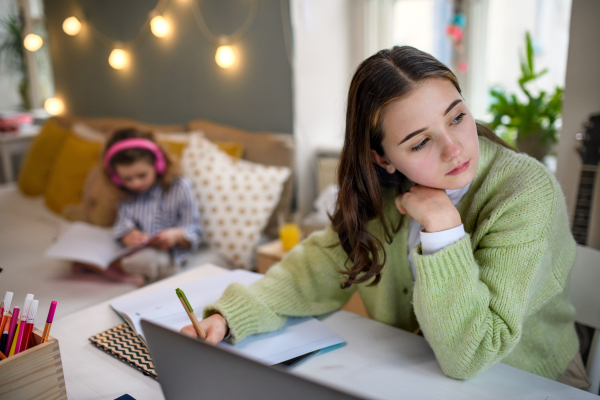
{"x": 529, "y": 52}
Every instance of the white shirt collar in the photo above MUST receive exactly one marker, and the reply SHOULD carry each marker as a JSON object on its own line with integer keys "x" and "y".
{"x": 456, "y": 194}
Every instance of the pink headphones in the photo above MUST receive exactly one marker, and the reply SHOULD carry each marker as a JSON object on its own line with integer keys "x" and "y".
{"x": 160, "y": 163}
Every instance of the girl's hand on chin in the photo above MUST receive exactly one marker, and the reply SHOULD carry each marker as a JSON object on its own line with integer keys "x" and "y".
{"x": 431, "y": 207}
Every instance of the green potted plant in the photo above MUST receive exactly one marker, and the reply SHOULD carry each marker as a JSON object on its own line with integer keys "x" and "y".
{"x": 12, "y": 53}
{"x": 530, "y": 126}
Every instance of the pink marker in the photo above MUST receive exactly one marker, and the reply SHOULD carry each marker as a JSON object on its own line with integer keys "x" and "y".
{"x": 29, "y": 327}
{"x": 11, "y": 329}
{"x": 19, "y": 339}
{"x": 49, "y": 322}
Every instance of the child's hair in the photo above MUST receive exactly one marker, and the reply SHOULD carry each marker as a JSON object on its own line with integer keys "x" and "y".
{"x": 132, "y": 155}
{"x": 379, "y": 80}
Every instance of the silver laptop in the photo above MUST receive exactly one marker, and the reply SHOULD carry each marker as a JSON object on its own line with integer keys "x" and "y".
{"x": 189, "y": 368}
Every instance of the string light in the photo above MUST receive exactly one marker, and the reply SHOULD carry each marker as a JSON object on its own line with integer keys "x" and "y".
{"x": 71, "y": 26}
{"x": 54, "y": 106}
{"x": 118, "y": 59}
{"x": 33, "y": 42}
{"x": 225, "y": 57}
{"x": 159, "y": 26}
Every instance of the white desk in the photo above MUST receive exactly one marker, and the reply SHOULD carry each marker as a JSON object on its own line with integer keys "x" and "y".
{"x": 378, "y": 361}
{"x": 11, "y": 142}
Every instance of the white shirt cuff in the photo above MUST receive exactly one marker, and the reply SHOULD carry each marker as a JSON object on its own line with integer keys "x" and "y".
{"x": 435, "y": 241}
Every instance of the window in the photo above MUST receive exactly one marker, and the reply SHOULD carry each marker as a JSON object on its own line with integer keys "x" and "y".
{"x": 39, "y": 69}
{"x": 421, "y": 24}
{"x": 494, "y": 39}
{"x": 548, "y": 23}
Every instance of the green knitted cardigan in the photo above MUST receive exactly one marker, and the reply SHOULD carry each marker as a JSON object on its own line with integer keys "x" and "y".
{"x": 497, "y": 294}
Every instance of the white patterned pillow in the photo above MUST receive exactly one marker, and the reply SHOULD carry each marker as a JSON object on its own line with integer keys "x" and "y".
{"x": 236, "y": 197}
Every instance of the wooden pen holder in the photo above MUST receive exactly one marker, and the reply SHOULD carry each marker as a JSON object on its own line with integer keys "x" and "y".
{"x": 35, "y": 373}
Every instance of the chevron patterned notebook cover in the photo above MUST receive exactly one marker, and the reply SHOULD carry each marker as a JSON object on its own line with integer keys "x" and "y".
{"x": 122, "y": 343}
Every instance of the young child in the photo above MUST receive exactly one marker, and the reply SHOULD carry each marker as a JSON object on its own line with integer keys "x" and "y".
{"x": 159, "y": 205}
{"x": 439, "y": 225}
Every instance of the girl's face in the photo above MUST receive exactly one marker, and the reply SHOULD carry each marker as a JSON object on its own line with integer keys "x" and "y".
{"x": 137, "y": 177}
{"x": 430, "y": 137}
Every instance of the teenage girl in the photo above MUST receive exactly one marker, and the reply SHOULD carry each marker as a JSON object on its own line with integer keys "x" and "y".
{"x": 159, "y": 207}
{"x": 439, "y": 225}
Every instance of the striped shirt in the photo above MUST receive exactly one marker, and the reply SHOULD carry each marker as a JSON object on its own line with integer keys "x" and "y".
{"x": 156, "y": 210}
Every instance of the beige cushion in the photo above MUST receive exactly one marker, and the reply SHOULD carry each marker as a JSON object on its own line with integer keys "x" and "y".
{"x": 259, "y": 147}
{"x": 236, "y": 198}
{"x": 99, "y": 200}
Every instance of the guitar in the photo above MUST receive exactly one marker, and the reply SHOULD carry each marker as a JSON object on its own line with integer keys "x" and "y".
{"x": 589, "y": 151}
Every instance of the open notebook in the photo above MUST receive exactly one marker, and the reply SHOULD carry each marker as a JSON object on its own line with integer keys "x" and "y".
{"x": 298, "y": 336}
{"x": 90, "y": 244}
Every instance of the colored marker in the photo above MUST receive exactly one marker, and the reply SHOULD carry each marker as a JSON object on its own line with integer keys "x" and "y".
{"x": 4, "y": 337}
{"x": 2, "y": 308}
{"x": 11, "y": 329}
{"x": 16, "y": 348}
{"x": 49, "y": 322}
{"x": 29, "y": 327}
{"x": 13, "y": 346}
{"x": 7, "y": 300}
{"x": 2, "y": 356}
{"x": 190, "y": 312}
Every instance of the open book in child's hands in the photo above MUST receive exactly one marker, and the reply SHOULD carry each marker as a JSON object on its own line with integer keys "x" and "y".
{"x": 92, "y": 245}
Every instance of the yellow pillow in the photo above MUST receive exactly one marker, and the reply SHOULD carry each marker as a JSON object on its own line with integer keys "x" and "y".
{"x": 67, "y": 177}
{"x": 40, "y": 157}
{"x": 175, "y": 147}
{"x": 234, "y": 149}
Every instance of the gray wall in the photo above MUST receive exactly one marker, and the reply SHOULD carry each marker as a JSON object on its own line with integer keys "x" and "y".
{"x": 582, "y": 98}
{"x": 176, "y": 79}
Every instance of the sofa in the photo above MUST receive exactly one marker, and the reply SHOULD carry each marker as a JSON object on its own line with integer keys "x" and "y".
{"x": 31, "y": 216}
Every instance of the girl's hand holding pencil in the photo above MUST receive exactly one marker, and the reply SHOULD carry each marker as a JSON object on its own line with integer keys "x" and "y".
{"x": 214, "y": 326}
{"x": 212, "y": 329}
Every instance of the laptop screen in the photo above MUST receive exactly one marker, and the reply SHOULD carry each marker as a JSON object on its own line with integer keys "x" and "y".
{"x": 189, "y": 368}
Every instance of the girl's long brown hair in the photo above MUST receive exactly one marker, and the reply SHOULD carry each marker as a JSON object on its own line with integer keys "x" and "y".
{"x": 379, "y": 80}
{"x": 129, "y": 156}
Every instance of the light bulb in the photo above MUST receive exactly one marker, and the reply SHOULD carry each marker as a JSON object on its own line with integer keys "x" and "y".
{"x": 71, "y": 26}
{"x": 118, "y": 58}
{"x": 33, "y": 42}
{"x": 225, "y": 57}
{"x": 160, "y": 26}
{"x": 54, "y": 106}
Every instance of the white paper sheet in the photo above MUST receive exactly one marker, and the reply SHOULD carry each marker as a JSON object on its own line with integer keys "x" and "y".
{"x": 298, "y": 336}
